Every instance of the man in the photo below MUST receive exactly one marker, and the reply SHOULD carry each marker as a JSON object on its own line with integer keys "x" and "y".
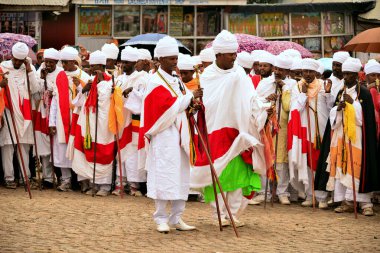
{"x": 92, "y": 123}
{"x": 57, "y": 85}
{"x": 40, "y": 58}
{"x": 308, "y": 107}
{"x": 186, "y": 68}
{"x": 19, "y": 71}
{"x": 296, "y": 70}
{"x": 144, "y": 61}
{"x": 337, "y": 76}
{"x": 168, "y": 167}
{"x": 77, "y": 80}
{"x": 372, "y": 71}
{"x": 207, "y": 56}
{"x": 111, "y": 51}
{"x": 133, "y": 84}
{"x": 245, "y": 60}
{"x": 353, "y": 136}
{"x": 255, "y": 73}
{"x": 233, "y": 117}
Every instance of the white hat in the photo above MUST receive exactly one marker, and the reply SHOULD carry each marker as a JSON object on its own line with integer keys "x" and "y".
{"x": 69, "y": 54}
{"x": 51, "y": 53}
{"x": 144, "y": 54}
{"x": 97, "y": 57}
{"x": 207, "y": 55}
{"x": 341, "y": 56}
{"x": 256, "y": 54}
{"x": 283, "y": 62}
{"x": 130, "y": 54}
{"x": 245, "y": 60}
{"x": 321, "y": 68}
{"x": 167, "y": 46}
{"x": 225, "y": 42}
{"x": 292, "y": 53}
{"x": 197, "y": 60}
{"x": 186, "y": 62}
{"x": 310, "y": 64}
{"x": 351, "y": 65}
{"x": 267, "y": 57}
{"x": 110, "y": 50}
{"x": 372, "y": 66}
{"x": 296, "y": 64}
{"x": 20, "y": 50}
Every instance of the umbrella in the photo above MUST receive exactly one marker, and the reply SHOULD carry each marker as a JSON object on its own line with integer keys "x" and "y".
{"x": 149, "y": 41}
{"x": 248, "y": 43}
{"x": 327, "y": 63}
{"x": 276, "y": 47}
{"x": 7, "y": 40}
{"x": 367, "y": 41}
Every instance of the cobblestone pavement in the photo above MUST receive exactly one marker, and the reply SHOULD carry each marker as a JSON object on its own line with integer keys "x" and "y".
{"x": 73, "y": 222}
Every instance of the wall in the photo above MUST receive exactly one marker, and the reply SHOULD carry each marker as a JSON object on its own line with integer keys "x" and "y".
{"x": 58, "y": 30}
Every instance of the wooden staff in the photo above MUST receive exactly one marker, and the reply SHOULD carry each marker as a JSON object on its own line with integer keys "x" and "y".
{"x": 310, "y": 152}
{"x": 38, "y": 163}
{"x": 353, "y": 179}
{"x": 96, "y": 140}
{"x": 118, "y": 150}
{"x": 17, "y": 141}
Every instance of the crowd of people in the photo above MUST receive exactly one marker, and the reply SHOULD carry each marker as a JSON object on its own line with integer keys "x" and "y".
{"x": 275, "y": 127}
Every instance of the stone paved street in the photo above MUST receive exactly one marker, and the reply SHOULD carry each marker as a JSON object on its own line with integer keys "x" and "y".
{"x": 73, "y": 222}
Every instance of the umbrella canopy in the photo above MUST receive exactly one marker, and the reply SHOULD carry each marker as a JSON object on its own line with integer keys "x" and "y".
{"x": 7, "y": 40}
{"x": 276, "y": 47}
{"x": 149, "y": 41}
{"x": 367, "y": 41}
{"x": 248, "y": 43}
{"x": 327, "y": 63}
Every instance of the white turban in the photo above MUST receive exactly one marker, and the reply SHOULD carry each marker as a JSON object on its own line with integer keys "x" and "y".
{"x": 197, "y": 60}
{"x": 69, "y": 54}
{"x": 310, "y": 64}
{"x": 20, "y": 50}
{"x": 51, "y": 53}
{"x": 186, "y": 62}
{"x": 321, "y": 68}
{"x": 351, "y": 65}
{"x": 372, "y": 66}
{"x": 245, "y": 60}
{"x": 224, "y": 43}
{"x": 283, "y": 62}
{"x": 207, "y": 55}
{"x": 98, "y": 57}
{"x": 144, "y": 54}
{"x": 296, "y": 64}
{"x": 167, "y": 46}
{"x": 292, "y": 53}
{"x": 110, "y": 50}
{"x": 130, "y": 54}
{"x": 341, "y": 56}
{"x": 267, "y": 58}
{"x": 256, "y": 54}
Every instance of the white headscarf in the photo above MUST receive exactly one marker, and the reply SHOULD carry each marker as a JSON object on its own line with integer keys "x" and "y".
{"x": 20, "y": 50}
{"x": 267, "y": 57}
{"x": 310, "y": 64}
{"x": 283, "y": 62}
{"x": 130, "y": 54}
{"x": 97, "y": 57}
{"x": 207, "y": 55}
{"x": 341, "y": 56}
{"x": 51, "y": 53}
{"x": 372, "y": 66}
{"x": 69, "y": 54}
{"x": 351, "y": 65}
{"x": 225, "y": 42}
{"x": 245, "y": 60}
{"x": 167, "y": 46}
{"x": 110, "y": 50}
{"x": 186, "y": 62}
{"x": 144, "y": 54}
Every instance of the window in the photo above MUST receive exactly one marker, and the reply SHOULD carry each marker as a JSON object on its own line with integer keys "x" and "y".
{"x": 334, "y": 23}
{"x": 311, "y": 44}
{"x": 334, "y": 43}
{"x": 182, "y": 21}
{"x": 273, "y": 24}
{"x": 242, "y": 23}
{"x": 126, "y": 20}
{"x": 95, "y": 21}
{"x": 21, "y": 23}
{"x": 306, "y": 23}
{"x": 209, "y": 21}
{"x": 155, "y": 19}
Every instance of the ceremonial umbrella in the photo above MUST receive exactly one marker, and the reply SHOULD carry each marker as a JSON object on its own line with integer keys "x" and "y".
{"x": 7, "y": 40}
{"x": 367, "y": 41}
{"x": 327, "y": 63}
{"x": 248, "y": 43}
{"x": 276, "y": 47}
{"x": 149, "y": 41}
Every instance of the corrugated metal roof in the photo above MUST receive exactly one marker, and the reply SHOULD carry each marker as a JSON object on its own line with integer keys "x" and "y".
{"x": 36, "y": 2}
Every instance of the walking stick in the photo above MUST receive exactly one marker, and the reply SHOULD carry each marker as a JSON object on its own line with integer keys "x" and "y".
{"x": 353, "y": 179}
{"x": 14, "y": 147}
{"x": 118, "y": 149}
{"x": 38, "y": 163}
{"x": 310, "y": 152}
{"x": 96, "y": 140}
{"x": 18, "y": 141}
{"x": 212, "y": 175}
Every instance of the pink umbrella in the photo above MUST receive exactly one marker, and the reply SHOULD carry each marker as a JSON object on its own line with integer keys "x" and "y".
{"x": 248, "y": 43}
{"x": 276, "y": 47}
{"x": 7, "y": 40}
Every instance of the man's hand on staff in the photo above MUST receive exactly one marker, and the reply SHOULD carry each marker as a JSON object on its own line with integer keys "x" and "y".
{"x": 198, "y": 93}
{"x": 87, "y": 87}
{"x": 328, "y": 85}
{"x": 272, "y": 97}
{"x": 52, "y": 130}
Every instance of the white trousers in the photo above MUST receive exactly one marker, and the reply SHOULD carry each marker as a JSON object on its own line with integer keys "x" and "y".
{"x": 161, "y": 216}
{"x": 47, "y": 168}
{"x": 234, "y": 200}
{"x": 319, "y": 195}
{"x": 7, "y": 157}
{"x": 66, "y": 174}
{"x": 342, "y": 193}
{"x": 282, "y": 170}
